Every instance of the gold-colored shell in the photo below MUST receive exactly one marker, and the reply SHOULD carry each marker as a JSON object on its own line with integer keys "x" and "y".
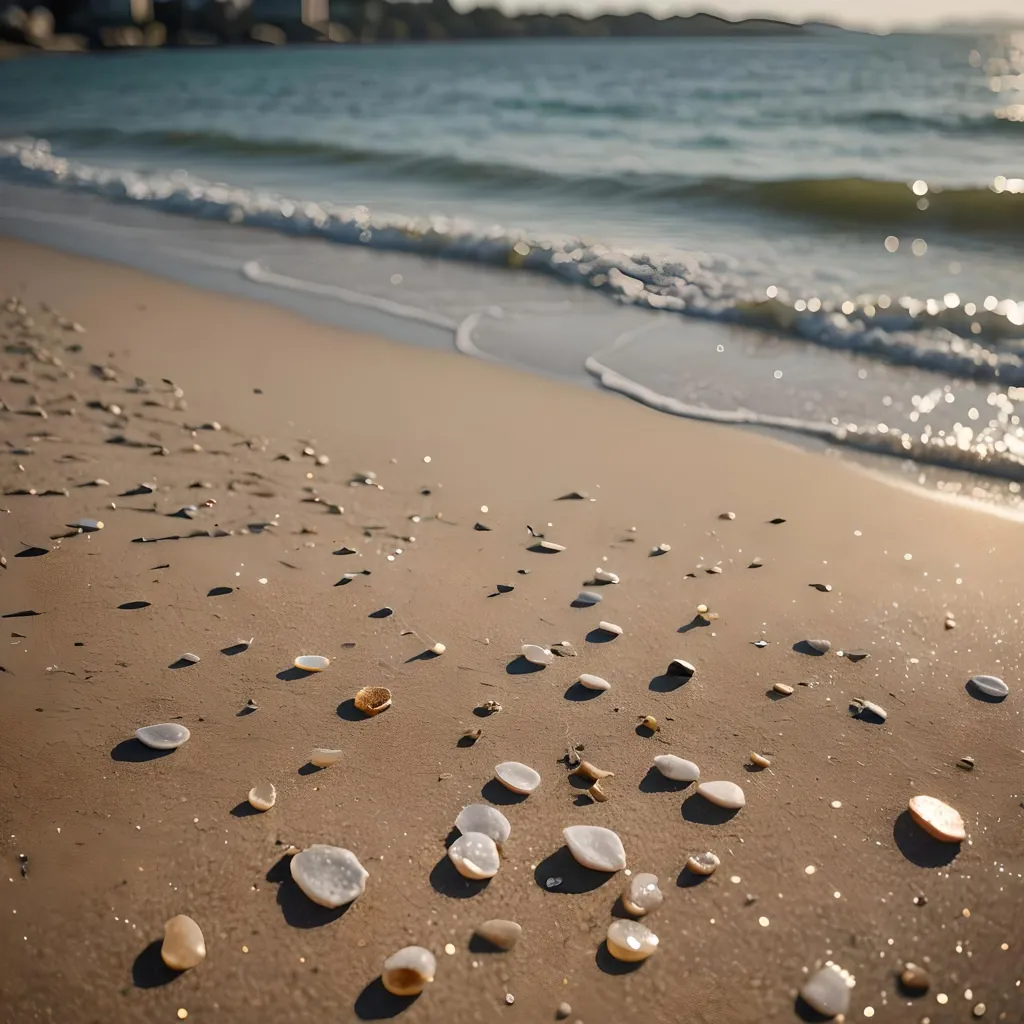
{"x": 372, "y": 700}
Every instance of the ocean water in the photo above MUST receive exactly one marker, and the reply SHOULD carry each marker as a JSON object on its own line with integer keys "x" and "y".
{"x": 819, "y": 235}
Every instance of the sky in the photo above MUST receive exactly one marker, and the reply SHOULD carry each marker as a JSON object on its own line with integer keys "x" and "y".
{"x": 877, "y": 14}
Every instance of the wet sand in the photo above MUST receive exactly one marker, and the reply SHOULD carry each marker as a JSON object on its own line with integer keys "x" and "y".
{"x": 117, "y": 841}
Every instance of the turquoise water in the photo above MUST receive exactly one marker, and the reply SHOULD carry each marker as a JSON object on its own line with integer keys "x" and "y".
{"x": 861, "y": 197}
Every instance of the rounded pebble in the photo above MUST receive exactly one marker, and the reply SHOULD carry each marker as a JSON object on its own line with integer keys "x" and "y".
{"x": 990, "y": 686}
{"x": 588, "y": 597}
{"x": 678, "y": 667}
{"x": 324, "y": 757}
{"x": 166, "y": 736}
{"x": 610, "y": 627}
{"x": 677, "y": 769}
{"x": 724, "y": 794}
{"x": 819, "y": 646}
{"x": 631, "y": 941}
{"x": 597, "y": 848}
{"x": 703, "y": 863}
{"x": 537, "y": 655}
{"x": 827, "y": 991}
{"x": 263, "y": 796}
{"x": 938, "y": 819}
{"x": 914, "y": 978}
{"x": 329, "y": 875}
{"x": 594, "y": 682}
{"x": 500, "y": 933}
{"x": 311, "y": 662}
{"x": 184, "y": 946}
{"x": 409, "y": 971}
{"x": 784, "y": 688}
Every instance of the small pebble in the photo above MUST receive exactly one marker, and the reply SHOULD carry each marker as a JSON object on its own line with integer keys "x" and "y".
{"x": 759, "y": 760}
{"x": 183, "y": 946}
{"x": 263, "y": 796}
{"x": 594, "y": 682}
{"x": 990, "y": 686}
{"x": 703, "y": 863}
{"x": 650, "y": 722}
{"x": 603, "y": 576}
{"x": 727, "y": 515}
{"x": 723, "y": 794}
{"x": 192, "y": 659}
{"x": 868, "y": 709}
{"x": 485, "y": 819}
{"x": 324, "y": 757}
{"x": 938, "y": 819}
{"x": 610, "y": 627}
{"x": 597, "y": 848}
{"x": 676, "y": 768}
{"x": 828, "y": 990}
{"x": 166, "y": 736}
{"x": 630, "y": 941}
{"x": 661, "y": 549}
{"x": 500, "y": 933}
{"x": 409, "y": 971}
{"x": 475, "y": 856}
{"x": 329, "y": 875}
{"x": 784, "y": 688}
{"x": 550, "y": 545}
{"x": 564, "y": 1010}
{"x": 311, "y": 662}
{"x": 587, "y": 597}
{"x": 642, "y": 894}
{"x": 914, "y": 978}
{"x": 819, "y": 646}
{"x": 537, "y": 655}
{"x": 967, "y": 763}
{"x": 438, "y": 649}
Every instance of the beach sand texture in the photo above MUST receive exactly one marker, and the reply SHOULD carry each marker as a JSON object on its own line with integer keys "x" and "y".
{"x": 118, "y": 839}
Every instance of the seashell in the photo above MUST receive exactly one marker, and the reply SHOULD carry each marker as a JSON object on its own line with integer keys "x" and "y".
{"x": 550, "y": 545}
{"x": 723, "y": 794}
{"x": 329, "y": 875}
{"x": 438, "y": 649}
{"x": 537, "y": 655}
{"x": 263, "y": 796}
{"x": 784, "y": 688}
{"x": 492, "y": 707}
{"x": 650, "y": 722}
{"x": 714, "y": 570}
{"x": 630, "y": 941}
{"x": 372, "y": 700}
{"x": 610, "y": 627}
{"x": 183, "y": 946}
{"x": 828, "y": 991}
{"x": 486, "y": 819}
{"x": 87, "y": 525}
{"x": 475, "y": 855}
{"x": 597, "y": 848}
{"x": 760, "y": 644}
{"x": 519, "y": 778}
{"x": 703, "y": 863}
{"x": 642, "y": 894}
{"x": 471, "y": 735}
{"x": 819, "y": 646}
{"x": 869, "y": 708}
{"x": 727, "y": 515}
{"x": 938, "y": 819}
{"x": 409, "y": 971}
{"x": 587, "y": 597}
{"x": 324, "y": 757}
{"x": 166, "y": 736}
{"x": 588, "y": 771}
{"x": 677, "y": 769}
{"x": 597, "y": 794}
{"x": 678, "y": 667}
{"x": 967, "y": 763}
{"x": 990, "y": 686}
{"x": 604, "y": 576}
{"x": 759, "y": 760}
{"x": 594, "y": 682}
{"x": 311, "y": 662}
{"x": 661, "y": 549}
{"x": 503, "y": 934}
{"x": 192, "y": 659}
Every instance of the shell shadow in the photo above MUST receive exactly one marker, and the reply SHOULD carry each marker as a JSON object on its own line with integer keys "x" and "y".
{"x": 655, "y": 782}
{"x": 664, "y": 683}
{"x": 703, "y": 812}
{"x": 32, "y": 552}
{"x": 494, "y": 792}
{"x": 803, "y": 647}
{"x": 808, "y": 1013}
{"x": 448, "y": 882}
{"x": 607, "y": 963}
{"x": 244, "y": 809}
{"x": 181, "y": 663}
{"x": 601, "y": 636}
{"x": 478, "y": 944}
{"x": 375, "y": 1002}
{"x": 690, "y": 879}
{"x": 234, "y": 649}
{"x": 350, "y": 713}
{"x": 136, "y": 751}
{"x": 579, "y": 692}
{"x": 985, "y": 698}
{"x": 868, "y": 716}
{"x": 697, "y": 622}
{"x": 382, "y": 613}
{"x": 299, "y": 911}
{"x": 773, "y": 694}
{"x": 539, "y": 549}
{"x": 920, "y": 848}
{"x": 219, "y": 591}
{"x": 427, "y": 655}
{"x": 131, "y": 606}
{"x": 292, "y": 673}
{"x": 310, "y": 769}
{"x": 575, "y": 878}
{"x": 519, "y": 666}
{"x": 149, "y": 970}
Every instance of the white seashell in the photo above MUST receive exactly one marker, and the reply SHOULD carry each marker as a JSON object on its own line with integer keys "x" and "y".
{"x": 594, "y": 682}
{"x": 486, "y": 819}
{"x": 475, "y": 855}
{"x": 642, "y": 894}
{"x": 184, "y": 946}
{"x": 595, "y": 847}
{"x": 703, "y": 863}
{"x": 311, "y": 662}
{"x": 631, "y": 941}
{"x": 724, "y": 794}
{"x": 604, "y": 576}
{"x": 167, "y": 736}
{"x": 678, "y": 667}
{"x": 329, "y": 875}
{"x": 537, "y": 655}
{"x": 408, "y": 971}
{"x": 88, "y": 525}
{"x": 588, "y": 597}
{"x": 991, "y": 686}
{"x": 192, "y": 659}
{"x": 520, "y": 778}
{"x": 677, "y": 769}
{"x": 263, "y": 796}
{"x": 828, "y": 991}
{"x": 324, "y": 757}
{"x": 610, "y": 627}
{"x": 938, "y": 819}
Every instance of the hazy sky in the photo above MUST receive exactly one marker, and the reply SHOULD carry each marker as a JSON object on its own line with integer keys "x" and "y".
{"x": 873, "y": 13}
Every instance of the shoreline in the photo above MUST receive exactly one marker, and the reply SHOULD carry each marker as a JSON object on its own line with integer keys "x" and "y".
{"x": 116, "y": 846}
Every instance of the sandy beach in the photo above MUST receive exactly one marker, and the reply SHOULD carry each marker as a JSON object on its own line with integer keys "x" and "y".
{"x": 438, "y": 464}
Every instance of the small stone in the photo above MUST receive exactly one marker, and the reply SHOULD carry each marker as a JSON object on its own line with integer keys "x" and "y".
{"x": 564, "y": 1010}
{"x": 868, "y": 709}
{"x": 597, "y": 848}
{"x": 661, "y": 549}
{"x": 630, "y": 941}
{"x": 87, "y": 525}
{"x": 914, "y": 978}
{"x": 486, "y": 819}
{"x": 594, "y": 682}
{"x": 650, "y": 722}
{"x": 438, "y": 649}
{"x": 263, "y": 796}
{"x": 372, "y": 700}
{"x": 587, "y": 597}
{"x": 604, "y": 576}
{"x": 167, "y": 736}
{"x": 192, "y": 659}
{"x": 184, "y": 946}
{"x": 500, "y": 933}
{"x": 678, "y": 667}
{"x": 642, "y": 894}
{"x": 713, "y": 570}
{"x": 492, "y": 707}
{"x": 550, "y": 545}
{"x": 324, "y": 757}
{"x": 519, "y": 778}
{"x": 967, "y": 763}
{"x": 475, "y": 856}
{"x": 784, "y": 688}
{"x": 610, "y": 627}
{"x": 723, "y": 794}
{"x": 727, "y": 515}
{"x": 563, "y": 650}
{"x": 702, "y": 863}
{"x": 756, "y": 563}
{"x": 329, "y": 875}
{"x": 677, "y": 769}
{"x": 938, "y": 819}
{"x": 409, "y": 971}
{"x": 857, "y": 655}
{"x": 311, "y": 662}
{"x": 537, "y": 655}
{"x": 828, "y": 990}
{"x": 990, "y": 686}
{"x": 819, "y": 646}
{"x": 759, "y": 760}
{"x": 979, "y": 1010}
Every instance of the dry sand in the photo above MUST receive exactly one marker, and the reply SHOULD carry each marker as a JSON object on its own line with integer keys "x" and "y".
{"x": 117, "y": 843}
